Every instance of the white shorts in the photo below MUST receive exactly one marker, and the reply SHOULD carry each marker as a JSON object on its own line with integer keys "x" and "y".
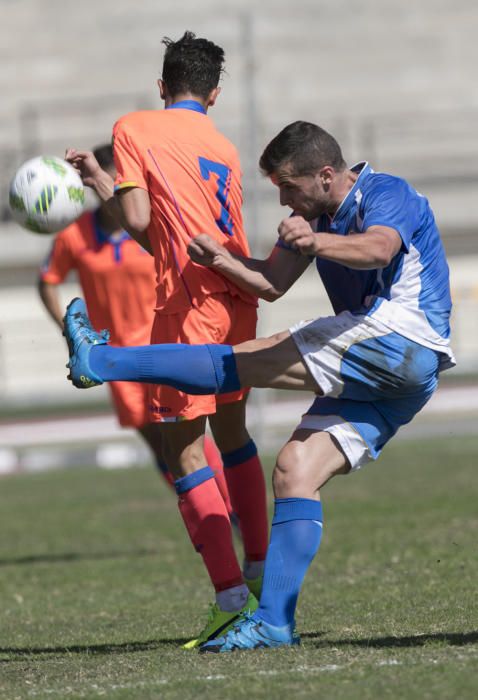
{"x": 323, "y": 343}
{"x": 373, "y": 380}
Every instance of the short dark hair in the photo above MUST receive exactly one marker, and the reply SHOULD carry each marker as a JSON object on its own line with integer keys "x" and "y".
{"x": 192, "y": 65}
{"x": 104, "y": 155}
{"x": 305, "y": 147}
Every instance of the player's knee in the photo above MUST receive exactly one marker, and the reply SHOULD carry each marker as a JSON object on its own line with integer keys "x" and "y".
{"x": 183, "y": 459}
{"x": 289, "y": 477}
{"x": 300, "y": 472}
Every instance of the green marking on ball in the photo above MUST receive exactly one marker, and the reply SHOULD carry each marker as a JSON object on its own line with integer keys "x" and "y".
{"x": 55, "y": 165}
{"x": 46, "y": 197}
{"x": 16, "y": 202}
{"x": 34, "y": 226}
{"x": 76, "y": 194}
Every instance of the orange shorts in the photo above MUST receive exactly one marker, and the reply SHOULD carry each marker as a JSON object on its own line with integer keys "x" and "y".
{"x": 220, "y": 319}
{"x": 130, "y": 401}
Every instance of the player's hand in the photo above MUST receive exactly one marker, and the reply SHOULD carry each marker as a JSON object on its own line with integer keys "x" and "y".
{"x": 86, "y": 164}
{"x": 205, "y": 251}
{"x": 297, "y": 233}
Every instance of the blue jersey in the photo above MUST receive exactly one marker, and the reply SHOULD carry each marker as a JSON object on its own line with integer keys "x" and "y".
{"x": 411, "y": 296}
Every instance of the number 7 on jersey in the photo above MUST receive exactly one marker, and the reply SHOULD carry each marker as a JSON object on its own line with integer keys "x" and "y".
{"x": 225, "y": 222}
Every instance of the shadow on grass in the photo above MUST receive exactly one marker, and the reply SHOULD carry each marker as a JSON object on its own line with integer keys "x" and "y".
{"x": 450, "y": 638}
{"x": 454, "y": 639}
{"x": 91, "y": 649}
{"x": 74, "y": 556}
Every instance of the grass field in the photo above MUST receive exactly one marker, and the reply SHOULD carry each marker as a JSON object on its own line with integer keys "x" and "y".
{"x": 99, "y": 587}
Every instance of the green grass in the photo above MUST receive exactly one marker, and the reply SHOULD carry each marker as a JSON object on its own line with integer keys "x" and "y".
{"x": 99, "y": 586}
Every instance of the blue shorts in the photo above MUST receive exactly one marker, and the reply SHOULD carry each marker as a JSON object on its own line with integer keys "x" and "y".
{"x": 373, "y": 381}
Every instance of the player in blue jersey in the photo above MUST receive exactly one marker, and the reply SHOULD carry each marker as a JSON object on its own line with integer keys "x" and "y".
{"x": 372, "y": 366}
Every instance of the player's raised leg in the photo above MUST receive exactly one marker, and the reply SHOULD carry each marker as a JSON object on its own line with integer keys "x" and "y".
{"x": 195, "y": 369}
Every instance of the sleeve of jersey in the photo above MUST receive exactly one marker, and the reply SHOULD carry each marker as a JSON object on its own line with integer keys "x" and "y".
{"x": 59, "y": 261}
{"x": 285, "y": 246}
{"x": 129, "y": 163}
{"x": 392, "y": 203}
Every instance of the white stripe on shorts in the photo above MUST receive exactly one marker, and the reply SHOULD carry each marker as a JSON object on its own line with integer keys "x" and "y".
{"x": 352, "y": 443}
{"x": 323, "y": 342}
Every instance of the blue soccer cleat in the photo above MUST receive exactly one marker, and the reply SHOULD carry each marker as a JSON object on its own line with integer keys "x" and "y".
{"x": 81, "y": 336}
{"x": 252, "y": 633}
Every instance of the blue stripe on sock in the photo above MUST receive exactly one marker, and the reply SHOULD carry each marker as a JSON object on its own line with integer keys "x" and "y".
{"x": 224, "y": 362}
{"x": 190, "y": 481}
{"x": 242, "y": 454}
{"x": 286, "y": 509}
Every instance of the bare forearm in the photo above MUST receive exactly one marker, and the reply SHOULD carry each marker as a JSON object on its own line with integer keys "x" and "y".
{"x": 358, "y": 251}
{"x": 248, "y": 274}
{"x": 104, "y": 187}
{"x": 268, "y": 279}
{"x": 345, "y": 250}
{"x": 48, "y": 293}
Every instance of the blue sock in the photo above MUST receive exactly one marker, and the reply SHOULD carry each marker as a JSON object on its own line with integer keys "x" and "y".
{"x": 295, "y": 538}
{"x": 194, "y": 369}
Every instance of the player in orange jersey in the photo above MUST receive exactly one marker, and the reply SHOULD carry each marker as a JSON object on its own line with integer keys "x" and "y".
{"x": 177, "y": 177}
{"x": 117, "y": 277}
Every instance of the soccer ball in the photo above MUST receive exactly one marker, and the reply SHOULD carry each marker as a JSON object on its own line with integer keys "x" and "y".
{"x": 46, "y": 195}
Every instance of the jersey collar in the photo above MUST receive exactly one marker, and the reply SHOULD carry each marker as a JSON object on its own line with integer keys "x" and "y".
{"x": 363, "y": 169}
{"x": 192, "y": 105}
{"x": 103, "y": 236}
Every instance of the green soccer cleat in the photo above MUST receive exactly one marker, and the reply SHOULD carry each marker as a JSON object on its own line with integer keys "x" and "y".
{"x": 219, "y": 622}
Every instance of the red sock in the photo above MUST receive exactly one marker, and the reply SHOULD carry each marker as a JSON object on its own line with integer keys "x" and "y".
{"x": 247, "y": 489}
{"x": 207, "y": 522}
{"x": 214, "y": 460}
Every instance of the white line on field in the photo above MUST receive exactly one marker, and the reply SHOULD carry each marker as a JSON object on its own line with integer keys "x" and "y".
{"x": 96, "y": 690}
{"x": 101, "y": 690}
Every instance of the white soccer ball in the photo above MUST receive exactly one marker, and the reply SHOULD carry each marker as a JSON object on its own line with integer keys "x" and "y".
{"x": 46, "y": 195}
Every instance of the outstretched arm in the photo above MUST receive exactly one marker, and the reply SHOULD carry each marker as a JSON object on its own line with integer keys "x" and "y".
{"x": 268, "y": 279}
{"x": 130, "y": 208}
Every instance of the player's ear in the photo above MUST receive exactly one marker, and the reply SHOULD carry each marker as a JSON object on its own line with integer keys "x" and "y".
{"x": 212, "y": 97}
{"x": 326, "y": 175}
{"x": 163, "y": 90}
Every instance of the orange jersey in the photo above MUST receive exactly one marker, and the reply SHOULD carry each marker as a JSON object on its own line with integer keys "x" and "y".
{"x": 193, "y": 177}
{"x": 116, "y": 275}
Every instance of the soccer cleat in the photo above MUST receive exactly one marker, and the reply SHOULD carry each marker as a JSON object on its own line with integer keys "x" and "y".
{"x": 254, "y": 585}
{"x": 219, "y": 622}
{"x": 250, "y": 633}
{"x": 81, "y": 336}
